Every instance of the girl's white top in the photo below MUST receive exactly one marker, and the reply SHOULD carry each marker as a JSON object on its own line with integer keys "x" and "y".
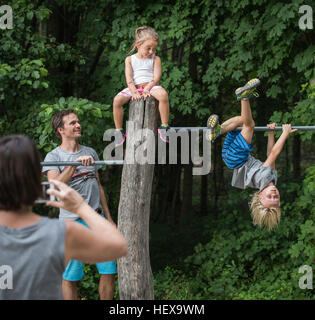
{"x": 142, "y": 69}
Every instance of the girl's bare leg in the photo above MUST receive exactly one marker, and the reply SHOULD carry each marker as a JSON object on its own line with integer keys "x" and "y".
{"x": 118, "y": 110}
{"x": 164, "y": 107}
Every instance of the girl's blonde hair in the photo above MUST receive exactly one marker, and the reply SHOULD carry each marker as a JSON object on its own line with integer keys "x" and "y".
{"x": 264, "y": 217}
{"x": 142, "y": 34}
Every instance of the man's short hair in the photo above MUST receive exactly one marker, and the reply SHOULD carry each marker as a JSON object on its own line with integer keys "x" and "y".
{"x": 57, "y": 120}
{"x": 20, "y": 172}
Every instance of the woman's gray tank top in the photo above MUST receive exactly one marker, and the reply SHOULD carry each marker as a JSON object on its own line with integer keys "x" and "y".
{"x": 32, "y": 261}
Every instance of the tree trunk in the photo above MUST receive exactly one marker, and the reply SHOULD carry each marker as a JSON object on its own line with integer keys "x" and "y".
{"x": 134, "y": 271}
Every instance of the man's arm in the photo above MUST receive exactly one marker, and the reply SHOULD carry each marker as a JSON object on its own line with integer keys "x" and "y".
{"x": 277, "y": 148}
{"x": 104, "y": 201}
{"x": 64, "y": 177}
{"x": 67, "y": 174}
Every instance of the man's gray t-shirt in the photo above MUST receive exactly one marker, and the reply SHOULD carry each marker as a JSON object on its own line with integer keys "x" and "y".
{"x": 36, "y": 256}
{"x": 83, "y": 180}
{"x": 253, "y": 174}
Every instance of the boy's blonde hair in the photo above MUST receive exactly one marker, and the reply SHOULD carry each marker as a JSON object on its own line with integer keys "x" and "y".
{"x": 264, "y": 217}
{"x": 142, "y": 34}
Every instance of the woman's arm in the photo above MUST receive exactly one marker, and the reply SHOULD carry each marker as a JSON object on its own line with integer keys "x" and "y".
{"x": 100, "y": 242}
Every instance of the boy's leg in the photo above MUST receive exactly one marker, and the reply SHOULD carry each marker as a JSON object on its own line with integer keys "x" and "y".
{"x": 248, "y": 122}
{"x": 231, "y": 124}
{"x": 245, "y": 120}
{"x": 216, "y": 129}
{"x": 243, "y": 94}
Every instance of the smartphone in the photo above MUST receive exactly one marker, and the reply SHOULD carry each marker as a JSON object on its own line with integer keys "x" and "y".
{"x": 45, "y": 196}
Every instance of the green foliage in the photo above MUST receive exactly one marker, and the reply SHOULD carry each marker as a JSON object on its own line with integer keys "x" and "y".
{"x": 94, "y": 118}
{"x": 171, "y": 284}
{"x": 25, "y": 75}
{"x": 302, "y": 114}
{"x": 303, "y": 249}
{"x": 88, "y": 286}
{"x": 243, "y": 262}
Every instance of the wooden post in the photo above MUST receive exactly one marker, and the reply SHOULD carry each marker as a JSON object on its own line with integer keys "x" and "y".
{"x": 134, "y": 271}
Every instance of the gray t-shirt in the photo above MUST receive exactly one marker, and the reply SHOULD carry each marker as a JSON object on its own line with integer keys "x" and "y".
{"x": 36, "y": 256}
{"x": 83, "y": 180}
{"x": 253, "y": 175}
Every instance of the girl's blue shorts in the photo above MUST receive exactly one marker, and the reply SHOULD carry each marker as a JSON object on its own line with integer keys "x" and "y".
{"x": 74, "y": 270}
{"x": 236, "y": 150}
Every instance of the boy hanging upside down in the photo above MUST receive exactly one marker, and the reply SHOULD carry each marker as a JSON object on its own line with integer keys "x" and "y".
{"x": 248, "y": 171}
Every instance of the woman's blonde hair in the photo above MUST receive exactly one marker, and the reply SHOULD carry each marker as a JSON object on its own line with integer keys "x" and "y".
{"x": 142, "y": 34}
{"x": 264, "y": 217}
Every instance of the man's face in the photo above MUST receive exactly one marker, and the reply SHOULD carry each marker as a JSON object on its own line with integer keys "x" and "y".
{"x": 71, "y": 127}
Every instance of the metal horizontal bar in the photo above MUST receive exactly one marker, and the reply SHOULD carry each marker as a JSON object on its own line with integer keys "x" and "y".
{"x": 256, "y": 128}
{"x": 79, "y": 163}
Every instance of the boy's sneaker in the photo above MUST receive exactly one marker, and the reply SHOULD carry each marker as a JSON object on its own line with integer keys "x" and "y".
{"x": 163, "y": 134}
{"x": 248, "y": 90}
{"x": 120, "y": 137}
{"x": 214, "y": 126}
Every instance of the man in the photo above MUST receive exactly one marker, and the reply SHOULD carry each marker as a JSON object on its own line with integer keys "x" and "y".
{"x": 85, "y": 180}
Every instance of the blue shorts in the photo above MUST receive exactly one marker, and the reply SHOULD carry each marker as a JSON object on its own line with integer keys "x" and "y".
{"x": 236, "y": 150}
{"x": 74, "y": 270}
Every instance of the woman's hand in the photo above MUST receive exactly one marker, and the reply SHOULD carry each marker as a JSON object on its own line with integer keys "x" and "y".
{"x": 69, "y": 199}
